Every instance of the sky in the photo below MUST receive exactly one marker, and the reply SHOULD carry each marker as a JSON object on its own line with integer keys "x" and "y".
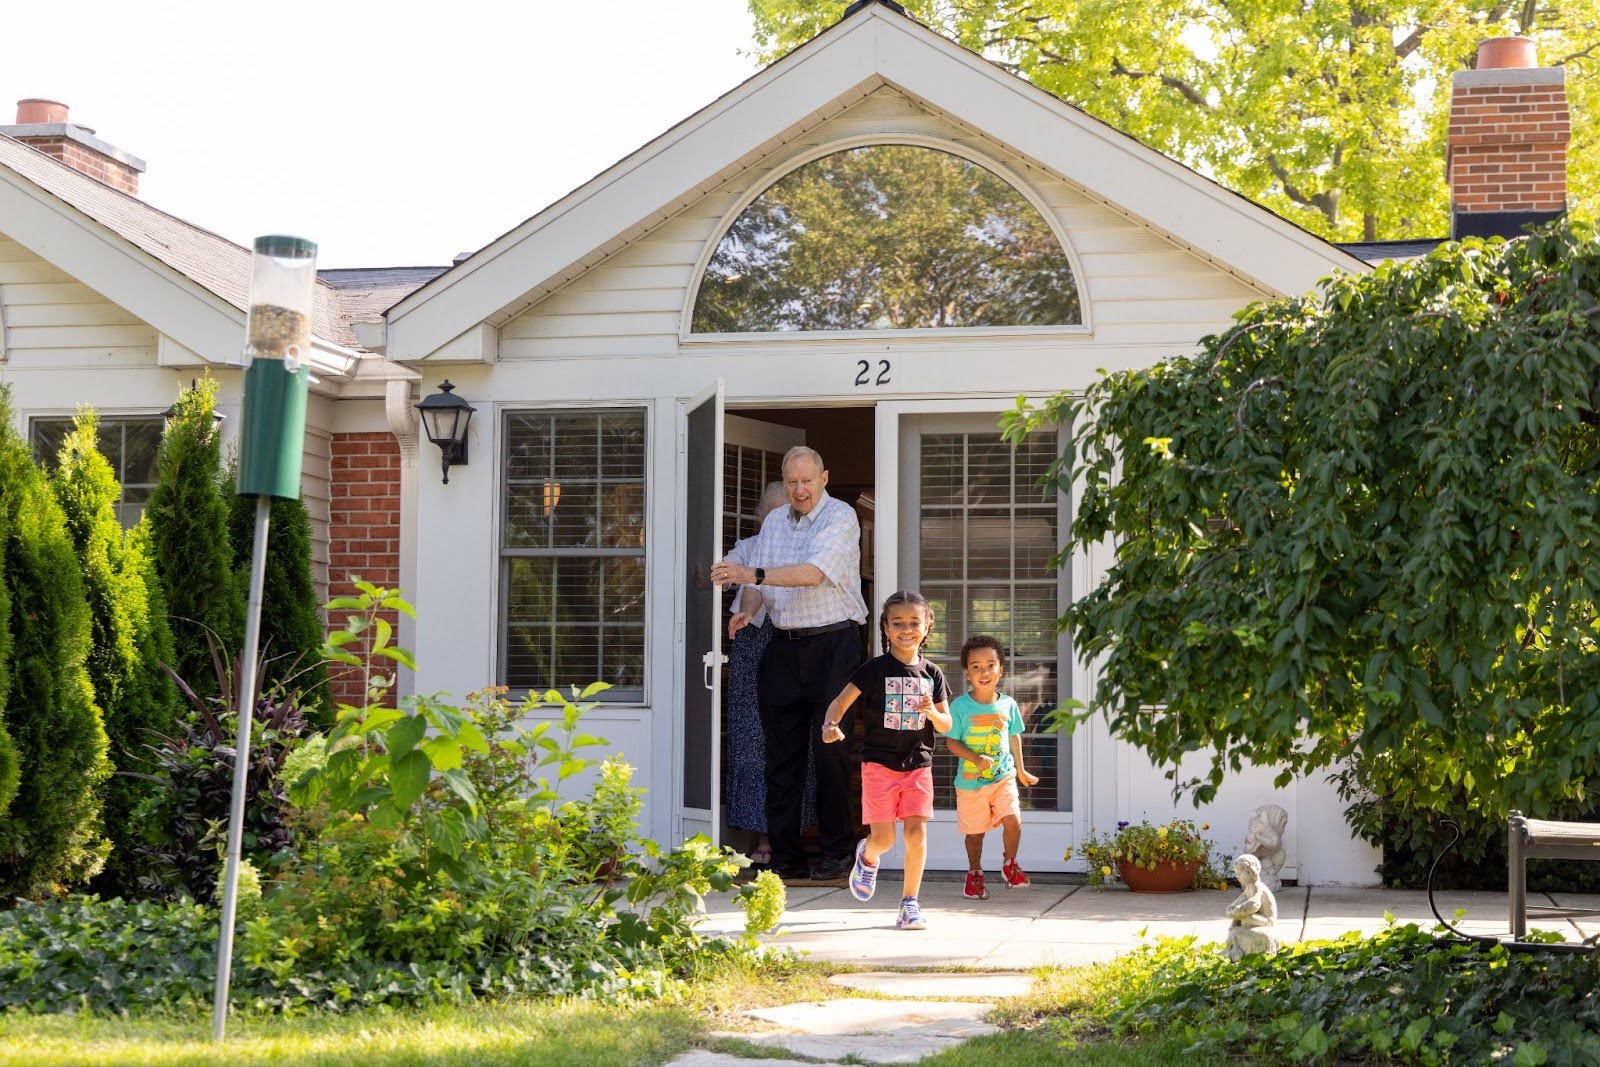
{"x": 392, "y": 134}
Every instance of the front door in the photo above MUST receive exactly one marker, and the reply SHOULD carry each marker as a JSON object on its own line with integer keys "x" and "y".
{"x": 700, "y": 770}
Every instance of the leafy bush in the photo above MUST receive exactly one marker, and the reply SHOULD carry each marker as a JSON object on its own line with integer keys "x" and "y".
{"x": 1398, "y": 997}
{"x": 51, "y": 836}
{"x": 186, "y": 519}
{"x": 763, "y": 899}
{"x": 184, "y": 819}
{"x": 1386, "y": 811}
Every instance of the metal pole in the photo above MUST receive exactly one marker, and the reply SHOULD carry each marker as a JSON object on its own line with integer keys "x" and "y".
{"x": 241, "y": 764}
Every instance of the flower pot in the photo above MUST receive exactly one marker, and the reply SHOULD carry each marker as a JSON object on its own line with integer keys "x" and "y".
{"x": 1165, "y": 877}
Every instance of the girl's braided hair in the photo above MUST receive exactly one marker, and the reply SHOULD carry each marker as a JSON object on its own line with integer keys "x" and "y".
{"x": 904, "y": 596}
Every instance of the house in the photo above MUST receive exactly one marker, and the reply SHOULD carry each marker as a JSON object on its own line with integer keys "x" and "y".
{"x": 640, "y": 353}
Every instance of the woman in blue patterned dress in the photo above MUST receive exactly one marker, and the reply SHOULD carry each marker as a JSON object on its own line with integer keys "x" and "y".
{"x": 744, "y": 791}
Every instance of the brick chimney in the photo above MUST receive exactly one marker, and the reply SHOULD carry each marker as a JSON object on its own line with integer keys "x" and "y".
{"x": 1506, "y": 155}
{"x": 43, "y": 124}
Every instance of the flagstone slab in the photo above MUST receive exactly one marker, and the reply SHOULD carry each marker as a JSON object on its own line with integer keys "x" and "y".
{"x": 705, "y": 1058}
{"x": 858, "y": 1017}
{"x": 863, "y": 1048}
{"x": 959, "y": 984}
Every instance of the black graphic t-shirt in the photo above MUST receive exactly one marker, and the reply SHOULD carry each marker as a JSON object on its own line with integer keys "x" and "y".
{"x": 897, "y": 734}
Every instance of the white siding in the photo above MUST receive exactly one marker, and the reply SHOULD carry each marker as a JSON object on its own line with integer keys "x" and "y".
{"x": 1143, "y": 290}
{"x": 54, "y": 322}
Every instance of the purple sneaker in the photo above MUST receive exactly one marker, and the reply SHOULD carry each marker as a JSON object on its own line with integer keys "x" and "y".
{"x": 864, "y": 875}
{"x": 910, "y": 915}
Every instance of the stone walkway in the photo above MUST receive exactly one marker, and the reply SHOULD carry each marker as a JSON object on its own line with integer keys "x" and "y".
{"x": 901, "y": 1030}
{"x": 1047, "y": 924}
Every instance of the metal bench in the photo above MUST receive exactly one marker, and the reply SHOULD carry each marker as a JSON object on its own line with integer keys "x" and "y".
{"x": 1533, "y": 839}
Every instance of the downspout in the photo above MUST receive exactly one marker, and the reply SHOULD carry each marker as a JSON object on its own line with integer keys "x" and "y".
{"x": 403, "y": 421}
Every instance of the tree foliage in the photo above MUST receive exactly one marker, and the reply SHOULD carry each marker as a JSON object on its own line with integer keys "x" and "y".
{"x": 52, "y": 833}
{"x": 187, "y": 532}
{"x": 291, "y": 626}
{"x": 1332, "y": 114}
{"x": 1361, "y": 525}
{"x": 136, "y": 698}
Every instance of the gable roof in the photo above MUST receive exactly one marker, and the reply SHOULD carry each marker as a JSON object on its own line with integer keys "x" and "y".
{"x": 187, "y": 282}
{"x": 864, "y": 51}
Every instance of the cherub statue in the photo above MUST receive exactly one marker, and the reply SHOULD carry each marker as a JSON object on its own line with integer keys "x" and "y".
{"x": 1254, "y": 913}
{"x": 1264, "y": 841}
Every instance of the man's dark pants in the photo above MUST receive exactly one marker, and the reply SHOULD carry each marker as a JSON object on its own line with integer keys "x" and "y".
{"x": 799, "y": 679}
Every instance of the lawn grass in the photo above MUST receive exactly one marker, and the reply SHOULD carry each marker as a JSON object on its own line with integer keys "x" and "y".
{"x": 530, "y": 1032}
{"x": 520, "y": 1032}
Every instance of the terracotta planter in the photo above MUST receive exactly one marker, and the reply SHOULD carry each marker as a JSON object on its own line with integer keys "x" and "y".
{"x": 1166, "y": 877}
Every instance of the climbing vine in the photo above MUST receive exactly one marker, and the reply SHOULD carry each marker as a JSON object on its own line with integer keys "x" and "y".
{"x": 1359, "y": 529}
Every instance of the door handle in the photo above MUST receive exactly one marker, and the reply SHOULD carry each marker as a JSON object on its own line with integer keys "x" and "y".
{"x": 710, "y": 662}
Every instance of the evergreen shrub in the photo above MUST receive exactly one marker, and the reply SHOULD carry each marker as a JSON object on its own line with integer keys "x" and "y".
{"x": 187, "y": 531}
{"x": 136, "y": 698}
{"x": 51, "y": 835}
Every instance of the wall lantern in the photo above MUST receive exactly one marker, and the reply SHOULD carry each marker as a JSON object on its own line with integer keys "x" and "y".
{"x": 444, "y": 418}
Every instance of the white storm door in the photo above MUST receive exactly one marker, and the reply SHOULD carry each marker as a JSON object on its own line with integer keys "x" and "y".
{"x": 700, "y": 762}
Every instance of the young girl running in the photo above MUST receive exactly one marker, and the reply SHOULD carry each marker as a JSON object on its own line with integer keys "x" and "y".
{"x": 904, "y": 700}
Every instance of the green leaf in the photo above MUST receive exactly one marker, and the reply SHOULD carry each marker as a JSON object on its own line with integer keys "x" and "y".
{"x": 403, "y": 736}
{"x": 408, "y": 777}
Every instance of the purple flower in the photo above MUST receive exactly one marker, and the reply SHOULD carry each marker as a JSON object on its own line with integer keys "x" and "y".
{"x": 1122, "y": 824}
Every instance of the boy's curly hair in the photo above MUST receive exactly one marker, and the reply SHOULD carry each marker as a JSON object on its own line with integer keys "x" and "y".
{"x": 972, "y": 644}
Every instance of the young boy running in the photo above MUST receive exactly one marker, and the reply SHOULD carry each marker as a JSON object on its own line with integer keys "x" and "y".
{"x": 904, "y": 699}
{"x": 986, "y": 735}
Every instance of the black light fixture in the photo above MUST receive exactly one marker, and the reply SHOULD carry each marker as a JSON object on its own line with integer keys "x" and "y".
{"x": 444, "y": 418}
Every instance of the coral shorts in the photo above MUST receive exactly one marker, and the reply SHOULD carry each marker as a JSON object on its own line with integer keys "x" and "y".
{"x": 982, "y": 809}
{"x": 889, "y": 796}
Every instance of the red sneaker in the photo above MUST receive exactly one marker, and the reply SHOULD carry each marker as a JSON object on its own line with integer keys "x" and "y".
{"x": 1015, "y": 877}
{"x": 975, "y": 889}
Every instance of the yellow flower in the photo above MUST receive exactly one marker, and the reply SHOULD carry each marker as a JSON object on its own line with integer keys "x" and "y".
{"x": 1067, "y": 855}
{"x": 1105, "y": 870}
{"x": 1205, "y": 826}
{"x": 1162, "y": 831}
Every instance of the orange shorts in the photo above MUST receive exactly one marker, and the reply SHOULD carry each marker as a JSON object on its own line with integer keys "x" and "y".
{"x": 982, "y": 809}
{"x": 889, "y": 796}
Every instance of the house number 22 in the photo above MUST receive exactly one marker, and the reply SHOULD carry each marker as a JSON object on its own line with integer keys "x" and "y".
{"x": 865, "y": 375}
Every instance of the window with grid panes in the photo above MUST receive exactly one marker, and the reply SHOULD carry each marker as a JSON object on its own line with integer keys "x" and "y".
{"x": 746, "y": 471}
{"x": 129, "y": 443}
{"x": 745, "y": 474}
{"x": 985, "y": 541}
{"x": 572, "y": 546}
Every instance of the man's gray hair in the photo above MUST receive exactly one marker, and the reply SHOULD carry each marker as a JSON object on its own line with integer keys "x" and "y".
{"x": 806, "y": 451}
{"x": 774, "y": 496}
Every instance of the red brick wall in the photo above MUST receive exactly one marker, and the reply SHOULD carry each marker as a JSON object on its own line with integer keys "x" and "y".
{"x": 82, "y": 158}
{"x": 363, "y": 526}
{"x": 1508, "y": 146}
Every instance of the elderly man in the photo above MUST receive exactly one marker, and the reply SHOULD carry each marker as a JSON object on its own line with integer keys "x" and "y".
{"x": 807, "y": 570}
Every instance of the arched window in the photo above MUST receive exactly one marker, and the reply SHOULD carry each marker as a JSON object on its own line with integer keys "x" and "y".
{"x": 887, "y": 236}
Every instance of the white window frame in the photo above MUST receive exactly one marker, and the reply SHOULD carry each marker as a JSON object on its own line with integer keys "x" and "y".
{"x": 503, "y": 414}
{"x": 886, "y": 558}
{"x": 1082, "y": 328}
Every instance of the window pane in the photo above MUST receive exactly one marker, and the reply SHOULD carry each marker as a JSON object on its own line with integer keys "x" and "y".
{"x": 129, "y": 444}
{"x": 985, "y": 551}
{"x": 887, "y": 237}
{"x": 573, "y": 540}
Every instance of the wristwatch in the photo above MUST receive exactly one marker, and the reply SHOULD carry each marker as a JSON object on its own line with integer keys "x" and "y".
{"x": 761, "y": 575}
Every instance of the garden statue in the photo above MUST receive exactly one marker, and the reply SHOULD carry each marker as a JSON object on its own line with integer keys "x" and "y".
{"x": 1254, "y": 913}
{"x": 1264, "y": 841}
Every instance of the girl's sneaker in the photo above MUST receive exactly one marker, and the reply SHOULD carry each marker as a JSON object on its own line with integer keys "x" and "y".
{"x": 975, "y": 889}
{"x": 864, "y": 875}
{"x": 910, "y": 915}
{"x": 1014, "y": 876}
